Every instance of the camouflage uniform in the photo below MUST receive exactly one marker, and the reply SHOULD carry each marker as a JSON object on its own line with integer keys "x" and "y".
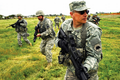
{"x": 57, "y": 20}
{"x": 63, "y": 18}
{"x": 47, "y": 35}
{"x": 94, "y": 19}
{"x": 22, "y": 31}
{"x": 93, "y": 48}
{"x": 88, "y": 17}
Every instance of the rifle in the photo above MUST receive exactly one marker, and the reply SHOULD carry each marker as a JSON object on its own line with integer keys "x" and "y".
{"x": 11, "y": 25}
{"x": 97, "y": 20}
{"x": 36, "y": 31}
{"x": 76, "y": 59}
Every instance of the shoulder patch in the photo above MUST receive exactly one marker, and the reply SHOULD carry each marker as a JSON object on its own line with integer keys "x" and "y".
{"x": 97, "y": 47}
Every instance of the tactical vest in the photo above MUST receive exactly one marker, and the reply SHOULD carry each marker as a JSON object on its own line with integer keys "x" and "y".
{"x": 57, "y": 19}
{"x": 20, "y": 28}
{"x": 43, "y": 29}
{"x": 83, "y": 41}
{"x": 84, "y": 37}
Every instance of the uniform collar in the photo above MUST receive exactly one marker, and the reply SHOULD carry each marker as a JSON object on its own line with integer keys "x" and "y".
{"x": 70, "y": 26}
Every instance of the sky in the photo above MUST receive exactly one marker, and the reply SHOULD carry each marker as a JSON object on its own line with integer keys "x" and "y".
{"x": 30, "y": 7}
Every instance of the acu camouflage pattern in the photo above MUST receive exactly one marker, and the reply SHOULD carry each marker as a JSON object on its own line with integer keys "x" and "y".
{"x": 46, "y": 47}
{"x": 22, "y": 27}
{"x": 24, "y": 35}
{"x": 47, "y": 25}
{"x": 78, "y": 6}
{"x": 57, "y": 20}
{"x": 94, "y": 19}
{"x": 93, "y": 49}
{"x": 22, "y": 31}
{"x": 48, "y": 39}
{"x": 19, "y": 15}
{"x": 63, "y": 18}
{"x": 39, "y": 13}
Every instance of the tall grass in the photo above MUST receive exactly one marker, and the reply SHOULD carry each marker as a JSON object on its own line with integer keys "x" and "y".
{"x": 28, "y": 63}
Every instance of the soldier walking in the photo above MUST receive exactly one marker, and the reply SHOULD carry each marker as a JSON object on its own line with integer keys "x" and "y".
{"x": 47, "y": 34}
{"x": 95, "y": 19}
{"x": 63, "y": 18}
{"x": 87, "y": 38}
{"x": 21, "y": 29}
{"x": 57, "y": 21}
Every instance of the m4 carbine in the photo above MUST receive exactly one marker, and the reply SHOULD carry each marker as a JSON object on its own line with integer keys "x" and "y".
{"x": 80, "y": 70}
{"x": 35, "y": 34}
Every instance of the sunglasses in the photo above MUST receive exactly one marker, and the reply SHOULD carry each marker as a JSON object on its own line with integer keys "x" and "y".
{"x": 82, "y": 12}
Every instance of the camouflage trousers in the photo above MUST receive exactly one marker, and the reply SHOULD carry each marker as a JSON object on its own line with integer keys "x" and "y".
{"x": 57, "y": 24}
{"x": 46, "y": 47}
{"x": 70, "y": 76}
{"x": 24, "y": 35}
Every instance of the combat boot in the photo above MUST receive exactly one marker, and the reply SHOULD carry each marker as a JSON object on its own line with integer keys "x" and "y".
{"x": 30, "y": 44}
{"x": 48, "y": 66}
{"x": 20, "y": 45}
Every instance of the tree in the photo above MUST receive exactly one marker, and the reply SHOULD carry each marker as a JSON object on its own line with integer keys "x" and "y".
{"x": 1, "y": 16}
{"x": 61, "y": 14}
{"x": 12, "y": 16}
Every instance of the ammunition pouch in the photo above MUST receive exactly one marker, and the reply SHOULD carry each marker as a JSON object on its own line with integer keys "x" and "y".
{"x": 21, "y": 29}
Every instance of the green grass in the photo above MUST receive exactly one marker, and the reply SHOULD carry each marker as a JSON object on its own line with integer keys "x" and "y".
{"x": 27, "y": 63}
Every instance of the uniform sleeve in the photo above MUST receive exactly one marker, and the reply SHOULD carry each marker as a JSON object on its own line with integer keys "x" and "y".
{"x": 24, "y": 24}
{"x": 59, "y": 20}
{"x": 54, "y": 19}
{"x": 93, "y": 48}
{"x": 49, "y": 27}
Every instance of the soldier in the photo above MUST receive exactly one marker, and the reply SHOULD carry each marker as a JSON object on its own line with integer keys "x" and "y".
{"x": 57, "y": 20}
{"x": 91, "y": 48}
{"x": 88, "y": 17}
{"x": 95, "y": 19}
{"x": 47, "y": 34}
{"x": 63, "y": 18}
{"x": 21, "y": 29}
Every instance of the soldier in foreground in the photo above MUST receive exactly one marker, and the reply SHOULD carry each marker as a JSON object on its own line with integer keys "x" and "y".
{"x": 84, "y": 40}
{"x": 63, "y": 18}
{"x": 45, "y": 28}
{"x": 57, "y": 21}
{"x": 21, "y": 29}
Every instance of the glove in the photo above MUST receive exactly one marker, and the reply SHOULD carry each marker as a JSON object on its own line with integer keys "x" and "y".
{"x": 63, "y": 45}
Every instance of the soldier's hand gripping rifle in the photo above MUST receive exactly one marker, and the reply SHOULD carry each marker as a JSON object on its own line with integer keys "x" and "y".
{"x": 80, "y": 70}
{"x": 35, "y": 34}
{"x": 97, "y": 20}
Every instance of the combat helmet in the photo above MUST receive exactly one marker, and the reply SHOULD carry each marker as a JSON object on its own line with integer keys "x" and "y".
{"x": 39, "y": 13}
{"x": 94, "y": 14}
{"x": 19, "y": 15}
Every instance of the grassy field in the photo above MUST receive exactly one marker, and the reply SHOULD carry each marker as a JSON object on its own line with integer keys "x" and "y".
{"x": 27, "y": 63}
